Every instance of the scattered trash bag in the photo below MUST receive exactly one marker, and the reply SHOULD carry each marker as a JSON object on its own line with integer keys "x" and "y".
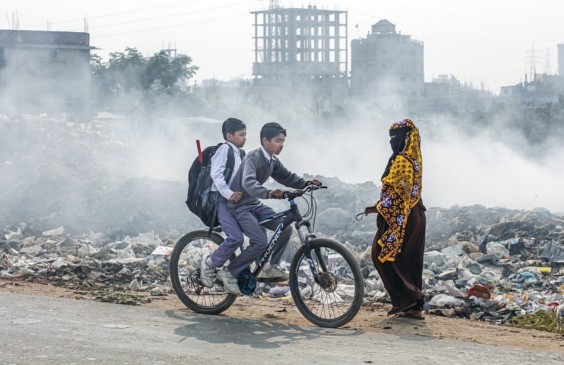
{"x": 479, "y": 291}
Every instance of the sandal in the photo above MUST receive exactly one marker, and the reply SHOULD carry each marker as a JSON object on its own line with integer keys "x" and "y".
{"x": 396, "y": 310}
{"x": 413, "y": 314}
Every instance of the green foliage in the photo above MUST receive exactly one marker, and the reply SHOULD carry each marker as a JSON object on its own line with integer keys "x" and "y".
{"x": 131, "y": 84}
{"x": 166, "y": 72}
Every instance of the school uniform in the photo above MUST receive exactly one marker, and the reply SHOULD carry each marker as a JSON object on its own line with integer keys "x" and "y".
{"x": 221, "y": 192}
{"x": 257, "y": 167}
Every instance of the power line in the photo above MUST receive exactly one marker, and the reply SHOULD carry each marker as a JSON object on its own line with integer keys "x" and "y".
{"x": 120, "y": 13}
{"x": 170, "y": 26}
{"x": 174, "y": 15}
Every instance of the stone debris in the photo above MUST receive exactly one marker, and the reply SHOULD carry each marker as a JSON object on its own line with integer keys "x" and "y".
{"x": 509, "y": 280}
{"x": 87, "y": 262}
{"x": 499, "y": 272}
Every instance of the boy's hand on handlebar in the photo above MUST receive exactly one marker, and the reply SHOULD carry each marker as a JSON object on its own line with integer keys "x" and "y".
{"x": 313, "y": 182}
{"x": 236, "y": 196}
{"x": 275, "y": 194}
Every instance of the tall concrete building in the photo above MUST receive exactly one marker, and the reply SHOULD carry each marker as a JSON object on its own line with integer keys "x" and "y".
{"x": 387, "y": 62}
{"x": 305, "y": 49}
{"x": 44, "y": 72}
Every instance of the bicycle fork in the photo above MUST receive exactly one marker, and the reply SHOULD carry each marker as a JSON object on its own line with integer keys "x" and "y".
{"x": 307, "y": 250}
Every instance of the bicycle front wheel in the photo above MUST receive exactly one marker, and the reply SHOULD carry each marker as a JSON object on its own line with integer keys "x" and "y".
{"x": 185, "y": 274}
{"x": 336, "y": 296}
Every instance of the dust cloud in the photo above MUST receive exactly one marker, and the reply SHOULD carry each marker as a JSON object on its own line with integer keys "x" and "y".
{"x": 131, "y": 170}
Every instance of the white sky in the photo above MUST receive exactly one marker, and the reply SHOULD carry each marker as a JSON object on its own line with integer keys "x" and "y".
{"x": 487, "y": 41}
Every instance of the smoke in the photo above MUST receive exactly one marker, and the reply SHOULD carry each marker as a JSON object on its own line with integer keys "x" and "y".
{"x": 109, "y": 173}
{"x": 485, "y": 168}
{"x": 466, "y": 160}
{"x": 491, "y": 167}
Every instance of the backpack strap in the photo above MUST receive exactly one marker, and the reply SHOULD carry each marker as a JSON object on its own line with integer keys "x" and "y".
{"x": 214, "y": 219}
{"x": 228, "y": 172}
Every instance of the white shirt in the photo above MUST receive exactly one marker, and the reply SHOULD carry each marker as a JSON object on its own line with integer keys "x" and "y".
{"x": 269, "y": 159}
{"x": 218, "y": 162}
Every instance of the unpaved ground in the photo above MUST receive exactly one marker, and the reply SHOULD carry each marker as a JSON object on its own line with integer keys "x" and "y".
{"x": 369, "y": 319}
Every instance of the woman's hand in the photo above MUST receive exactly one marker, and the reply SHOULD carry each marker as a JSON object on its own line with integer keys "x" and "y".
{"x": 370, "y": 210}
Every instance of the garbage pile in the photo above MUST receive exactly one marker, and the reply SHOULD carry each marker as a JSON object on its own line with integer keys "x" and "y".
{"x": 91, "y": 261}
{"x": 506, "y": 280}
{"x": 489, "y": 264}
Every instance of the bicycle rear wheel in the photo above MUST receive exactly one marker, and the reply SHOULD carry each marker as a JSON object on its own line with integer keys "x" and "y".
{"x": 337, "y": 297}
{"x": 185, "y": 274}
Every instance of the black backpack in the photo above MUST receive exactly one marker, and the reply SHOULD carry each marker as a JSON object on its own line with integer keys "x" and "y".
{"x": 200, "y": 184}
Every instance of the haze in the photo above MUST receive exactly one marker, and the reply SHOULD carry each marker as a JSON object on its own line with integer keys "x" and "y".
{"x": 465, "y": 162}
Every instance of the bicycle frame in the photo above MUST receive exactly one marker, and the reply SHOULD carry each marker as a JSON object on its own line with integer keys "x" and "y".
{"x": 291, "y": 215}
{"x": 248, "y": 278}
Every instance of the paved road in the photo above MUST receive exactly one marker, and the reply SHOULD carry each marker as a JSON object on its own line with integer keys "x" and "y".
{"x": 41, "y": 330}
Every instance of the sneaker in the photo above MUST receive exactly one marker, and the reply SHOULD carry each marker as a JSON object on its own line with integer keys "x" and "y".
{"x": 230, "y": 282}
{"x": 207, "y": 274}
{"x": 274, "y": 272}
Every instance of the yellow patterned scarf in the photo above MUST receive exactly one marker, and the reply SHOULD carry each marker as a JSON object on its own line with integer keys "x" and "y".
{"x": 401, "y": 191}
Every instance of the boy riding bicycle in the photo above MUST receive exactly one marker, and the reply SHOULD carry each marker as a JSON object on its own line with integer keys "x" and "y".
{"x": 256, "y": 168}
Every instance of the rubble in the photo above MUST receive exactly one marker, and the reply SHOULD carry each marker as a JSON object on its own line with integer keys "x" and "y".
{"x": 502, "y": 285}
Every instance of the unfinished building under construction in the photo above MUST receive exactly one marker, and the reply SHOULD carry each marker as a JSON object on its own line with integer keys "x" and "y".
{"x": 302, "y": 48}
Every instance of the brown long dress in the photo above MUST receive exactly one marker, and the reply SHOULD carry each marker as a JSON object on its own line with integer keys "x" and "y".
{"x": 403, "y": 278}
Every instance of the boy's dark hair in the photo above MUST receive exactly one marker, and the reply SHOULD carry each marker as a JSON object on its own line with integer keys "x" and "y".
{"x": 271, "y": 130}
{"x": 232, "y": 125}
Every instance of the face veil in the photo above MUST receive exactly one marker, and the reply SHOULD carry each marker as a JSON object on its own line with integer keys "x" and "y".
{"x": 397, "y": 142}
{"x": 401, "y": 186}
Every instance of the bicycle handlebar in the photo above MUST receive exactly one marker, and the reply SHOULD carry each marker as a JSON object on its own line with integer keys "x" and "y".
{"x": 292, "y": 194}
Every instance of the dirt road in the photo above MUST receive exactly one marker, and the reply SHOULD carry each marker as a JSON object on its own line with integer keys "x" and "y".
{"x": 371, "y": 319}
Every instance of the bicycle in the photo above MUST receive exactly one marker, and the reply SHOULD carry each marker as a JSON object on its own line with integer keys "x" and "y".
{"x": 325, "y": 279}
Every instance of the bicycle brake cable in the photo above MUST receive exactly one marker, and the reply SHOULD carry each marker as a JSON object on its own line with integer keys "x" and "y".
{"x": 314, "y": 211}
{"x": 312, "y": 208}
{"x": 308, "y": 207}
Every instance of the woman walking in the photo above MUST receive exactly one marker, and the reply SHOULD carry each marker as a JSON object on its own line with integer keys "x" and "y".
{"x": 397, "y": 251}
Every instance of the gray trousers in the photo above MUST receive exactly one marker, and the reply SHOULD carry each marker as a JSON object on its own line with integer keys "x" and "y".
{"x": 248, "y": 217}
{"x": 233, "y": 235}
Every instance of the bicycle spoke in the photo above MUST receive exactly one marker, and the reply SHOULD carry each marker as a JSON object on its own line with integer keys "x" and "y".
{"x": 328, "y": 299}
{"x": 185, "y": 275}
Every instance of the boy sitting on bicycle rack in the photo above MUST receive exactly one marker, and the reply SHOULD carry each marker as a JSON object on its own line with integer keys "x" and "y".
{"x": 257, "y": 167}
{"x": 222, "y": 173}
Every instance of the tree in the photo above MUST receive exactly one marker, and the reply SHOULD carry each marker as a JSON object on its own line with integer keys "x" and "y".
{"x": 125, "y": 70}
{"x": 128, "y": 82}
{"x": 167, "y": 71}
